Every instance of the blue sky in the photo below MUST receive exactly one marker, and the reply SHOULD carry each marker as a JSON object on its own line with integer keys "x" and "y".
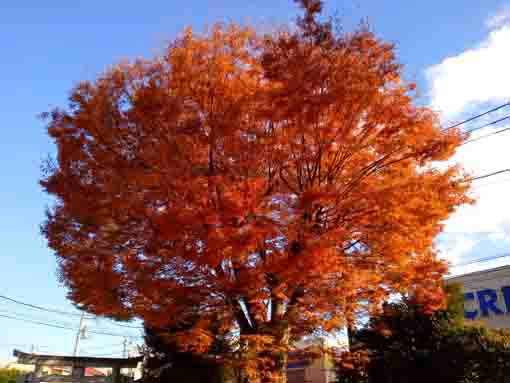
{"x": 454, "y": 49}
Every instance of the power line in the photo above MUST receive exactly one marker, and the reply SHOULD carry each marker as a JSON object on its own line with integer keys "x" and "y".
{"x": 41, "y": 308}
{"x": 44, "y": 320}
{"x": 140, "y": 327}
{"x": 79, "y": 335}
{"x": 481, "y": 260}
{"x": 16, "y": 345}
{"x": 117, "y": 354}
{"x": 489, "y": 175}
{"x": 489, "y": 124}
{"x": 99, "y": 355}
{"x": 36, "y": 322}
{"x": 61, "y": 327}
{"x": 54, "y": 311}
{"x": 486, "y": 136}
{"x": 8, "y": 312}
{"x": 489, "y": 184}
{"x": 103, "y": 347}
{"x": 477, "y": 116}
{"x": 127, "y": 326}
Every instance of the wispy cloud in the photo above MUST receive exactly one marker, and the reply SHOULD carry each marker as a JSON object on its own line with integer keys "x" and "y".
{"x": 455, "y": 248}
{"x": 459, "y": 86}
{"x": 499, "y": 18}
{"x": 473, "y": 78}
{"x": 490, "y": 214}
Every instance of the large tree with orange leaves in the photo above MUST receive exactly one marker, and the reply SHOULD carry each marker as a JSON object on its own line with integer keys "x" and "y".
{"x": 277, "y": 186}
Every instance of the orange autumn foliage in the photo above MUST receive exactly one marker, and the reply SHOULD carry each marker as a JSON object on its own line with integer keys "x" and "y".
{"x": 282, "y": 184}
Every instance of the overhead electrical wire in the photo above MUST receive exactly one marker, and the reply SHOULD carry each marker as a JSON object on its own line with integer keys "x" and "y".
{"x": 60, "y": 326}
{"x": 41, "y": 323}
{"x": 36, "y": 307}
{"x": 477, "y": 116}
{"x": 103, "y": 355}
{"x": 482, "y": 126}
{"x": 16, "y": 345}
{"x": 489, "y": 175}
{"x": 482, "y": 137}
{"x": 490, "y": 184}
{"x": 486, "y": 136}
{"x": 125, "y": 325}
{"x": 37, "y": 322}
{"x": 23, "y": 315}
{"x": 488, "y": 124}
{"x": 105, "y": 347}
{"x": 54, "y": 311}
{"x": 480, "y": 260}
{"x": 119, "y": 353}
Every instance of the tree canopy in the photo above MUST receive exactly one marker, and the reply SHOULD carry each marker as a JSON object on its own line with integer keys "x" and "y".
{"x": 166, "y": 362}
{"x": 9, "y": 375}
{"x": 282, "y": 184}
{"x": 405, "y": 344}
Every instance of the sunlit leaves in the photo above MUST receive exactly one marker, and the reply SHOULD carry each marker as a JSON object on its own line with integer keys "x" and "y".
{"x": 284, "y": 183}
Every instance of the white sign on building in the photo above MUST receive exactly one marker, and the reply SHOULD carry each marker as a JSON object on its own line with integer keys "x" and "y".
{"x": 486, "y": 296}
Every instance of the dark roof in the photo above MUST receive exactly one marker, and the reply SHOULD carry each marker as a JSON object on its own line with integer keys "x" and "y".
{"x": 478, "y": 272}
{"x": 86, "y": 361}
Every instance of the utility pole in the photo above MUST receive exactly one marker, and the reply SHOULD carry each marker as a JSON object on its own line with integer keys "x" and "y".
{"x": 124, "y": 348}
{"x": 80, "y": 334}
{"x": 126, "y": 354}
{"x": 350, "y": 334}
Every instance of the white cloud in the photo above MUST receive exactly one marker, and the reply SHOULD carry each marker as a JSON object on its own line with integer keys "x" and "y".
{"x": 500, "y": 236}
{"x": 460, "y": 86}
{"x": 474, "y": 77}
{"x": 488, "y": 220}
{"x": 455, "y": 248}
{"x": 499, "y": 19}
{"x": 490, "y": 214}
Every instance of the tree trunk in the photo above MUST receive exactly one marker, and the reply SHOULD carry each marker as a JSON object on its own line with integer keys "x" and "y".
{"x": 278, "y": 357}
{"x": 281, "y": 332}
{"x": 281, "y": 367}
{"x": 281, "y": 357}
